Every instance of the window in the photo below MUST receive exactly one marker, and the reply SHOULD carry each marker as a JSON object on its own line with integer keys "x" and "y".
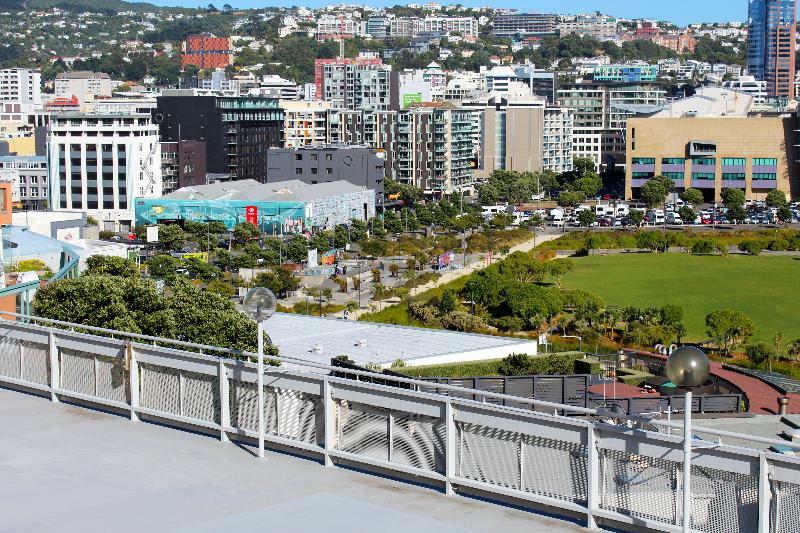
{"x": 314, "y": 157}
{"x": 644, "y": 161}
{"x": 737, "y": 176}
{"x": 23, "y": 180}
{"x": 673, "y": 161}
{"x": 673, "y": 175}
{"x": 315, "y": 170}
{"x": 702, "y": 176}
{"x": 642, "y": 175}
{"x": 329, "y": 171}
{"x": 23, "y": 191}
{"x": 762, "y": 176}
{"x": 298, "y": 171}
{"x": 734, "y": 161}
{"x": 298, "y": 157}
{"x": 328, "y": 157}
{"x": 704, "y": 162}
{"x": 765, "y": 162}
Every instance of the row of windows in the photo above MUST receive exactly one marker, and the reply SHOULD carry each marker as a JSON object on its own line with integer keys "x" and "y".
{"x": 644, "y": 161}
{"x": 707, "y": 161}
{"x": 765, "y": 161}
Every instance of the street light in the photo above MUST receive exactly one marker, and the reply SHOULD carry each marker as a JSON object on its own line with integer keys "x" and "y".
{"x": 259, "y": 305}
{"x": 580, "y": 341}
{"x": 687, "y": 368}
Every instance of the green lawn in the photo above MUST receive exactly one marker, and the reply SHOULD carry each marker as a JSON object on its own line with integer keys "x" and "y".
{"x": 767, "y": 289}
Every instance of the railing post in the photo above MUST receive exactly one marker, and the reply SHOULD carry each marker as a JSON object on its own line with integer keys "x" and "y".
{"x": 55, "y": 374}
{"x": 390, "y": 435}
{"x": 521, "y": 452}
{"x": 764, "y": 494}
{"x": 133, "y": 381}
{"x": 450, "y": 447}
{"x": 224, "y": 401}
{"x": 593, "y": 477}
{"x": 328, "y": 406}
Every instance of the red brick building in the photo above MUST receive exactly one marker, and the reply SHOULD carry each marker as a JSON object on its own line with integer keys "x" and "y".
{"x": 207, "y": 51}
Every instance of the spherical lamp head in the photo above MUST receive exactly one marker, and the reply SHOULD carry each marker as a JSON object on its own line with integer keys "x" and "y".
{"x": 260, "y": 304}
{"x": 688, "y": 367}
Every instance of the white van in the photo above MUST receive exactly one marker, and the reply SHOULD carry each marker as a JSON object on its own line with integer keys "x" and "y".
{"x": 674, "y": 218}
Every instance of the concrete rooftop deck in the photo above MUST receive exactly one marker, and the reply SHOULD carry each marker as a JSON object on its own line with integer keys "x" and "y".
{"x": 66, "y": 468}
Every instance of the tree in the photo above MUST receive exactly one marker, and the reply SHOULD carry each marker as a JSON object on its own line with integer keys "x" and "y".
{"x": 729, "y": 328}
{"x": 172, "y": 237}
{"x": 751, "y": 247}
{"x": 737, "y": 214}
{"x": 687, "y": 214}
{"x": 134, "y": 305}
{"x": 571, "y": 198}
{"x": 758, "y": 354}
{"x": 246, "y": 232}
{"x": 221, "y": 288}
{"x": 654, "y": 192}
{"x": 776, "y": 198}
{"x": 589, "y": 186}
{"x": 703, "y": 247}
{"x": 693, "y": 196}
{"x": 279, "y": 280}
{"x": 732, "y": 197}
{"x": 794, "y": 348}
{"x": 636, "y": 216}
{"x": 103, "y": 265}
{"x": 587, "y": 218}
{"x": 651, "y": 240}
{"x": 200, "y": 269}
{"x": 785, "y": 214}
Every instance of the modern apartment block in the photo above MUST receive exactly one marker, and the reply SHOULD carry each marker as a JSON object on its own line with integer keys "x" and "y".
{"x": 599, "y": 27}
{"x": 525, "y": 24}
{"x": 361, "y": 83}
{"x": 323, "y": 164}
{"x": 305, "y": 123}
{"x": 85, "y": 86}
{"x": 99, "y": 164}
{"x": 206, "y": 51}
{"x": 600, "y": 114}
{"x": 771, "y": 45}
{"x": 626, "y": 73}
{"x": 21, "y": 85}
{"x": 28, "y": 176}
{"x": 523, "y": 135}
{"x": 754, "y": 154}
{"x": 237, "y": 130}
{"x": 373, "y": 129}
{"x": 183, "y": 164}
{"x": 435, "y": 149}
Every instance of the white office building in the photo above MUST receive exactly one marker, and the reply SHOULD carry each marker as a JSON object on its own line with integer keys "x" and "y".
{"x": 21, "y": 85}
{"x": 100, "y": 164}
{"x": 85, "y": 86}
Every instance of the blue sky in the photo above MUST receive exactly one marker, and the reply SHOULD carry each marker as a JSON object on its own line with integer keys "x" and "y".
{"x": 678, "y": 11}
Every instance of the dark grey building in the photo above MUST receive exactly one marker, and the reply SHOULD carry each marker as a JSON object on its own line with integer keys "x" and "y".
{"x": 360, "y": 166}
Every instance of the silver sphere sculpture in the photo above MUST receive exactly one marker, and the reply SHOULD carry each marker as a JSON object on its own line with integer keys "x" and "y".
{"x": 260, "y": 304}
{"x": 688, "y": 367}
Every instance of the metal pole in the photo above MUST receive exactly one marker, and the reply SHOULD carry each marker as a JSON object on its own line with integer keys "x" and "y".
{"x": 260, "y": 390}
{"x": 687, "y": 463}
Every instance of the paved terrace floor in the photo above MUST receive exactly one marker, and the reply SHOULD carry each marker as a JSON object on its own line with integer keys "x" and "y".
{"x": 65, "y": 468}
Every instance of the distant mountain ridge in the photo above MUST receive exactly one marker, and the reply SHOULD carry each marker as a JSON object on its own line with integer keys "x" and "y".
{"x": 115, "y": 6}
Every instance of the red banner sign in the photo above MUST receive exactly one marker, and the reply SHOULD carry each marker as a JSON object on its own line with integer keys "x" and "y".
{"x": 251, "y": 214}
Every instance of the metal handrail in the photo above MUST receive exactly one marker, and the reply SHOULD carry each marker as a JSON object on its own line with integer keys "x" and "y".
{"x": 555, "y": 407}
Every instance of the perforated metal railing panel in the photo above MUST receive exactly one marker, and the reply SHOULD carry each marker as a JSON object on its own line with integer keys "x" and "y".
{"x": 35, "y": 363}
{"x": 362, "y": 430}
{"x": 113, "y": 379}
{"x": 10, "y": 358}
{"x": 489, "y": 455}
{"x": 638, "y": 486}
{"x": 160, "y": 388}
{"x": 785, "y": 507}
{"x": 288, "y": 413}
{"x": 200, "y": 398}
{"x": 723, "y": 502}
{"x": 418, "y": 441}
{"x": 554, "y": 468}
{"x": 77, "y": 372}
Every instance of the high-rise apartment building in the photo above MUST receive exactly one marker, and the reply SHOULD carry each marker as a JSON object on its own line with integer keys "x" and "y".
{"x": 207, "y": 51}
{"x": 601, "y": 111}
{"x": 361, "y": 83}
{"x": 237, "y": 130}
{"x": 22, "y": 85}
{"x": 525, "y": 24}
{"x": 305, "y": 123}
{"x": 99, "y": 164}
{"x": 771, "y": 45}
{"x": 523, "y": 135}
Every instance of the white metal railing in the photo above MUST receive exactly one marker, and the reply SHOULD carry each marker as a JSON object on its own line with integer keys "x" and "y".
{"x": 576, "y": 465}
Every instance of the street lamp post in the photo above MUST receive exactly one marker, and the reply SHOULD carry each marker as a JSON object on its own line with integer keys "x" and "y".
{"x": 259, "y": 305}
{"x": 687, "y": 368}
{"x": 580, "y": 341}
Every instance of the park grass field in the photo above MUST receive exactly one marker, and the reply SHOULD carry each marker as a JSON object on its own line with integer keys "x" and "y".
{"x": 767, "y": 289}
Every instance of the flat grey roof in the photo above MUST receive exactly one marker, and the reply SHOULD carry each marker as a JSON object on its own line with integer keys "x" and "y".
{"x": 297, "y": 335}
{"x": 251, "y": 190}
{"x": 69, "y": 469}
